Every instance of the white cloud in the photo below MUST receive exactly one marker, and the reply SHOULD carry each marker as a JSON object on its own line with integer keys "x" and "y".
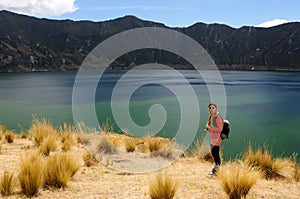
{"x": 274, "y": 22}
{"x": 39, "y": 7}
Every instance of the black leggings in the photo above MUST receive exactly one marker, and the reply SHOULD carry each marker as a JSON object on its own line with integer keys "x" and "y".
{"x": 215, "y": 151}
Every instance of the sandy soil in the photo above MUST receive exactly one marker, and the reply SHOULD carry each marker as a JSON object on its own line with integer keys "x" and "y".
{"x": 99, "y": 181}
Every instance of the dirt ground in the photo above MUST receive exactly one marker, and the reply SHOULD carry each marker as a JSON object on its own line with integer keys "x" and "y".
{"x": 99, "y": 181}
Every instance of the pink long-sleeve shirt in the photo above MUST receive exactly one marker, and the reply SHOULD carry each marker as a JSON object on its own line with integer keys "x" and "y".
{"x": 215, "y": 130}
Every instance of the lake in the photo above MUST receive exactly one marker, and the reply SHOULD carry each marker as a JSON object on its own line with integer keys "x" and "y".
{"x": 263, "y": 107}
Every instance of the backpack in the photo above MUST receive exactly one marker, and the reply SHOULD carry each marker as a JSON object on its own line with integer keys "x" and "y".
{"x": 226, "y": 130}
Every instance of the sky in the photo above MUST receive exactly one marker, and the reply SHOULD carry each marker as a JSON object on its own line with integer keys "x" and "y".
{"x": 173, "y": 13}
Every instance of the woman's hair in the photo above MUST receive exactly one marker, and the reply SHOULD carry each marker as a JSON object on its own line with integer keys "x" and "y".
{"x": 214, "y": 104}
{"x": 210, "y": 117}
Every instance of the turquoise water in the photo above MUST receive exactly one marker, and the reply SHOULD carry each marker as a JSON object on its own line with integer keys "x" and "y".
{"x": 263, "y": 107}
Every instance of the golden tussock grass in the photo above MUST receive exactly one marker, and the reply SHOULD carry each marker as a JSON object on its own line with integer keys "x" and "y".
{"x": 40, "y": 129}
{"x": 168, "y": 152}
{"x": 67, "y": 133}
{"x": 297, "y": 173}
{"x": 59, "y": 169}
{"x": 89, "y": 159}
{"x": 271, "y": 167}
{"x": 130, "y": 144}
{"x": 85, "y": 134}
{"x": 49, "y": 144}
{"x": 7, "y": 183}
{"x": 142, "y": 148}
{"x": 85, "y": 138}
{"x": 23, "y": 135}
{"x": 107, "y": 126}
{"x": 66, "y": 146}
{"x": 154, "y": 144}
{"x": 106, "y": 146}
{"x": 2, "y": 128}
{"x": 31, "y": 174}
{"x": 9, "y": 136}
{"x": 237, "y": 179}
{"x": 162, "y": 186}
{"x": 202, "y": 150}
{"x": 296, "y": 167}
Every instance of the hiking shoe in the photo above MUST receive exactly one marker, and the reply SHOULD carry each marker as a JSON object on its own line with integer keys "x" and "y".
{"x": 212, "y": 172}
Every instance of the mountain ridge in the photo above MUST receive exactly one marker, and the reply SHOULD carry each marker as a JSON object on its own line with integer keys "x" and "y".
{"x": 33, "y": 44}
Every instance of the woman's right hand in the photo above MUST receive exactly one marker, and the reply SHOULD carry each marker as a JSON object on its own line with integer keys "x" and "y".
{"x": 207, "y": 127}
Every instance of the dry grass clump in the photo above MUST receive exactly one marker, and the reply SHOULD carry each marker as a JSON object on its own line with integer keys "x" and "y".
{"x": 297, "y": 173}
{"x": 130, "y": 144}
{"x": 40, "y": 129}
{"x": 88, "y": 159}
{"x": 2, "y": 128}
{"x": 23, "y": 135}
{"x": 142, "y": 148}
{"x": 49, "y": 144}
{"x": 9, "y": 136}
{"x": 85, "y": 138}
{"x": 67, "y": 133}
{"x": 162, "y": 187}
{"x": 154, "y": 144}
{"x": 66, "y": 146}
{"x": 59, "y": 169}
{"x": 106, "y": 146}
{"x": 31, "y": 174}
{"x": 107, "y": 126}
{"x": 167, "y": 152}
{"x": 237, "y": 180}
{"x": 262, "y": 159}
{"x": 85, "y": 134}
{"x": 7, "y": 184}
{"x": 296, "y": 167}
{"x": 202, "y": 150}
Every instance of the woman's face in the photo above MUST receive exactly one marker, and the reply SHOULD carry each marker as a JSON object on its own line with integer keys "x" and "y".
{"x": 212, "y": 109}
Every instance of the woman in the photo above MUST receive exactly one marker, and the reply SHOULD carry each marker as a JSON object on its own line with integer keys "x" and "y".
{"x": 214, "y": 127}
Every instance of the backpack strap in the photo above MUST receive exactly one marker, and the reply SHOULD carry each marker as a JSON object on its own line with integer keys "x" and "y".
{"x": 215, "y": 119}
